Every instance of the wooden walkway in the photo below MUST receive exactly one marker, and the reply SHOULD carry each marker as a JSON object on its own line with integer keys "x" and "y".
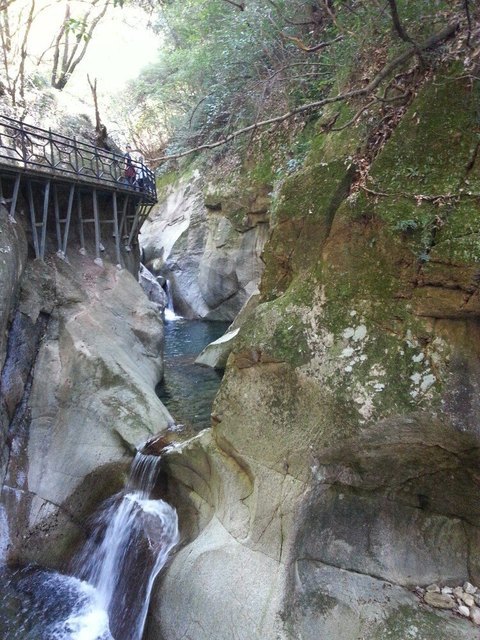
{"x": 62, "y": 178}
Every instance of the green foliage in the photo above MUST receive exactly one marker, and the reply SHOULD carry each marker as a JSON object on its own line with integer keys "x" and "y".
{"x": 78, "y": 27}
{"x": 406, "y": 226}
{"x": 221, "y": 69}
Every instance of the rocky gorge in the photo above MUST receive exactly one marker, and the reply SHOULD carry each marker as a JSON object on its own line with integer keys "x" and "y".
{"x": 339, "y": 478}
{"x": 340, "y": 471}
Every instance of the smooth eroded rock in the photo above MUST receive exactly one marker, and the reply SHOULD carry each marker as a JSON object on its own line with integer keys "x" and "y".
{"x": 439, "y": 600}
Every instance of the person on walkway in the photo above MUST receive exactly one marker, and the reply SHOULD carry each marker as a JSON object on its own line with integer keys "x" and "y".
{"x": 141, "y": 173}
{"x": 129, "y": 168}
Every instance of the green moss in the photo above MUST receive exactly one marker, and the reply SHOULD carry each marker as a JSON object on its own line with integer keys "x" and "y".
{"x": 165, "y": 180}
{"x": 337, "y": 263}
{"x": 434, "y": 143}
{"x": 339, "y": 144}
{"x": 419, "y": 624}
{"x": 279, "y": 330}
{"x": 302, "y": 219}
{"x": 263, "y": 172}
{"x": 107, "y": 377}
{"x": 458, "y": 236}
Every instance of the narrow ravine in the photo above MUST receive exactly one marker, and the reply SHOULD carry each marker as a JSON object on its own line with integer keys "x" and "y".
{"x": 188, "y": 389}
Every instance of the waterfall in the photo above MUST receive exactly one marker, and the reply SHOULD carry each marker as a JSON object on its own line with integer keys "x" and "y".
{"x": 132, "y": 537}
{"x": 4, "y": 535}
{"x": 108, "y": 597}
{"x": 169, "y": 310}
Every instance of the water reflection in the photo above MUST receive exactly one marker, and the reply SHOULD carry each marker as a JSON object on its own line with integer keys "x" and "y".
{"x": 188, "y": 389}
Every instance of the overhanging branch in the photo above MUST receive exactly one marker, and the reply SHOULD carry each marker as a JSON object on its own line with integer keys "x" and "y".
{"x": 301, "y": 45}
{"x": 238, "y": 5}
{"x": 431, "y": 43}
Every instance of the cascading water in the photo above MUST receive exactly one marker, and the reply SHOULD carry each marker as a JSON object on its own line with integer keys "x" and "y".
{"x": 133, "y": 537}
{"x": 169, "y": 310}
{"x": 108, "y": 600}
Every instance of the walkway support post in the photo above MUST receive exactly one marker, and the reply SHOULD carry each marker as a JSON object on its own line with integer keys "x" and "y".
{"x": 116, "y": 230}
{"x": 123, "y": 223}
{"x": 80, "y": 222}
{"x": 33, "y": 220}
{"x": 138, "y": 209}
{"x": 67, "y": 220}
{"x": 57, "y": 219}
{"x": 97, "y": 227}
{"x": 13, "y": 204}
{"x": 46, "y": 197}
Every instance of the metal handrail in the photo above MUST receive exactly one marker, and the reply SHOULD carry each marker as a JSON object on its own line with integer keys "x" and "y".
{"x": 25, "y": 146}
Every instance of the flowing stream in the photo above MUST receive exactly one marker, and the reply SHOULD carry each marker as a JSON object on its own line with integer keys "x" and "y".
{"x": 108, "y": 597}
{"x": 188, "y": 389}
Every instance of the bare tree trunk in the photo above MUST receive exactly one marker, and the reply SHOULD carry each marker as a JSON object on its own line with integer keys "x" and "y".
{"x": 71, "y": 57}
{"x": 20, "y": 79}
{"x": 100, "y": 128}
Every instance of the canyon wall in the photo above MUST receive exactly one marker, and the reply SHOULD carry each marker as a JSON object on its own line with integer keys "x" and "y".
{"x": 341, "y": 468}
{"x": 207, "y": 242}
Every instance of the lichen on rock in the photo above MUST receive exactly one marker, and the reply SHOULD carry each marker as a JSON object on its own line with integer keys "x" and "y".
{"x": 355, "y": 384}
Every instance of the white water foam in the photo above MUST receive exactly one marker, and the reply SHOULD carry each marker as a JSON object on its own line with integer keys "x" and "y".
{"x": 171, "y": 315}
{"x": 113, "y": 564}
{"x": 88, "y": 620}
{"x": 4, "y": 535}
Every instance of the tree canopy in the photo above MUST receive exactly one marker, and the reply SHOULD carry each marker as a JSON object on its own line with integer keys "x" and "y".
{"x": 228, "y": 69}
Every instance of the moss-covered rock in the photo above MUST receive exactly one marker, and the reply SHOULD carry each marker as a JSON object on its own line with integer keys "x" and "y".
{"x": 356, "y": 382}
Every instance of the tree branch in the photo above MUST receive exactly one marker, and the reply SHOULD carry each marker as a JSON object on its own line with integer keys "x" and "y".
{"x": 71, "y": 59}
{"x": 355, "y": 117}
{"x": 23, "y": 52}
{"x": 301, "y": 45}
{"x": 466, "y": 5}
{"x": 397, "y": 24}
{"x": 432, "y": 42}
{"x": 239, "y": 5}
{"x": 56, "y": 45}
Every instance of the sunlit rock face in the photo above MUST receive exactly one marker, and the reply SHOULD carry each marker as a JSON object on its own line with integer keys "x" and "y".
{"x": 207, "y": 242}
{"x": 341, "y": 469}
{"x": 81, "y": 358}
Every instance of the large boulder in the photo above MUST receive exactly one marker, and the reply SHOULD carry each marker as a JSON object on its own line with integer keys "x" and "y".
{"x": 86, "y": 402}
{"x": 152, "y": 288}
{"x": 216, "y": 353}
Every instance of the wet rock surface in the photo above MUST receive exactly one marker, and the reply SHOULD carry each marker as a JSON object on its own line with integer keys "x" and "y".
{"x": 210, "y": 257}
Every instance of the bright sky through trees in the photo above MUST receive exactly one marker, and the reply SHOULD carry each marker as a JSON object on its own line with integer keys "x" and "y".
{"x": 121, "y": 46}
{"x": 38, "y": 37}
